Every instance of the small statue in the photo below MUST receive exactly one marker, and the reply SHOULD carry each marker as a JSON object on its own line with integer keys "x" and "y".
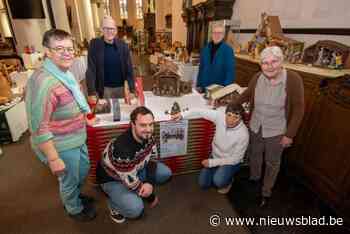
{"x": 338, "y": 61}
{"x": 154, "y": 90}
{"x": 332, "y": 62}
{"x": 171, "y": 91}
{"x": 320, "y": 57}
{"x": 175, "y": 109}
{"x": 326, "y": 61}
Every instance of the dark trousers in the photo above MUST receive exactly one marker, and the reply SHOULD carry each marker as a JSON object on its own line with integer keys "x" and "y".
{"x": 273, "y": 152}
{"x": 117, "y": 92}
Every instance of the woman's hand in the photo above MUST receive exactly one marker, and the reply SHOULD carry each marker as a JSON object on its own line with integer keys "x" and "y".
{"x": 286, "y": 141}
{"x": 205, "y": 163}
{"x": 57, "y": 166}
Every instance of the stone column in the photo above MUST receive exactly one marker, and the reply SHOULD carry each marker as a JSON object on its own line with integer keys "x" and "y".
{"x": 60, "y": 15}
{"x": 95, "y": 15}
{"x": 89, "y": 32}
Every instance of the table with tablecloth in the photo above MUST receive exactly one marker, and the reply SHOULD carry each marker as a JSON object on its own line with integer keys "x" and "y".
{"x": 199, "y": 135}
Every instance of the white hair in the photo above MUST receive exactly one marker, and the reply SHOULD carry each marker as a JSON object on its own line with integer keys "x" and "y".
{"x": 272, "y": 50}
{"x": 107, "y": 18}
{"x": 217, "y": 25}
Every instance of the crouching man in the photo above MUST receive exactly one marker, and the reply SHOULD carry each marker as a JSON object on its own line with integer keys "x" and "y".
{"x": 128, "y": 171}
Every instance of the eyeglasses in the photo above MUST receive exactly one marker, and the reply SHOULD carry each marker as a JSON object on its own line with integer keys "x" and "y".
{"x": 106, "y": 29}
{"x": 61, "y": 50}
{"x": 273, "y": 63}
{"x": 217, "y": 33}
{"x": 233, "y": 115}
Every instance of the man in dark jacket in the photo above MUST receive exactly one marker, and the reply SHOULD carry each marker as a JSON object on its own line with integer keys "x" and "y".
{"x": 109, "y": 64}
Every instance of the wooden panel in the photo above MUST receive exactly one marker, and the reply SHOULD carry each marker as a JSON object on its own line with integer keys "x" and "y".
{"x": 327, "y": 161}
{"x": 245, "y": 70}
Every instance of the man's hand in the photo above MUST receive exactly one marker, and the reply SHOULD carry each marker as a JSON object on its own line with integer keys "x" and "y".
{"x": 57, "y": 166}
{"x": 92, "y": 99}
{"x": 134, "y": 94}
{"x": 133, "y": 99}
{"x": 176, "y": 117}
{"x": 205, "y": 163}
{"x": 127, "y": 97}
{"x": 146, "y": 190}
{"x": 102, "y": 101}
{"x": 286, "y": 141}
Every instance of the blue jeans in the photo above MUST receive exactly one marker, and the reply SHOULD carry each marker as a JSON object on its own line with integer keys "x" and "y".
{"x": 129, "y": 203}
{"x": 220, "y": 176}
{"x": 77, "y": 168}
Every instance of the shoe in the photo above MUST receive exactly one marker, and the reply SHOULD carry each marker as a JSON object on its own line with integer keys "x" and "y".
{"x": 253, "y": 181}
{"x": 86, "y": 200}
{"x": 86, "y": 215}
{"x": 225, "y": 190}
{"x": 264, "y": 202}
{"x": 116, "y": 216}
{"x": 253, "y": 184}
{"x": 154, "y": 203}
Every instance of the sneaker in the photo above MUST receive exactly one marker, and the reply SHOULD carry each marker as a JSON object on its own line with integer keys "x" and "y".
{"x": 225, "y": 190}
{"x": 86, "y": 215}
{"x": 253, "y": 182}
{"x": 116, "y": 216}
{"x": 264, "y": 201}
{"x": 86, "y": 200}
{"x": 154, "y": 203}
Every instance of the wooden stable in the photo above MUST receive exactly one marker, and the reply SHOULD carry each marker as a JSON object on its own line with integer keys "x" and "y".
{"x": 270, "y": 33}
{"x": 328, "y": 54}
{"x": 166, "y": 82}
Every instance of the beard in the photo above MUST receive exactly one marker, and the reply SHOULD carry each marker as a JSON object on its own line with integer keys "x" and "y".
{"x": 144, "y": 136}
